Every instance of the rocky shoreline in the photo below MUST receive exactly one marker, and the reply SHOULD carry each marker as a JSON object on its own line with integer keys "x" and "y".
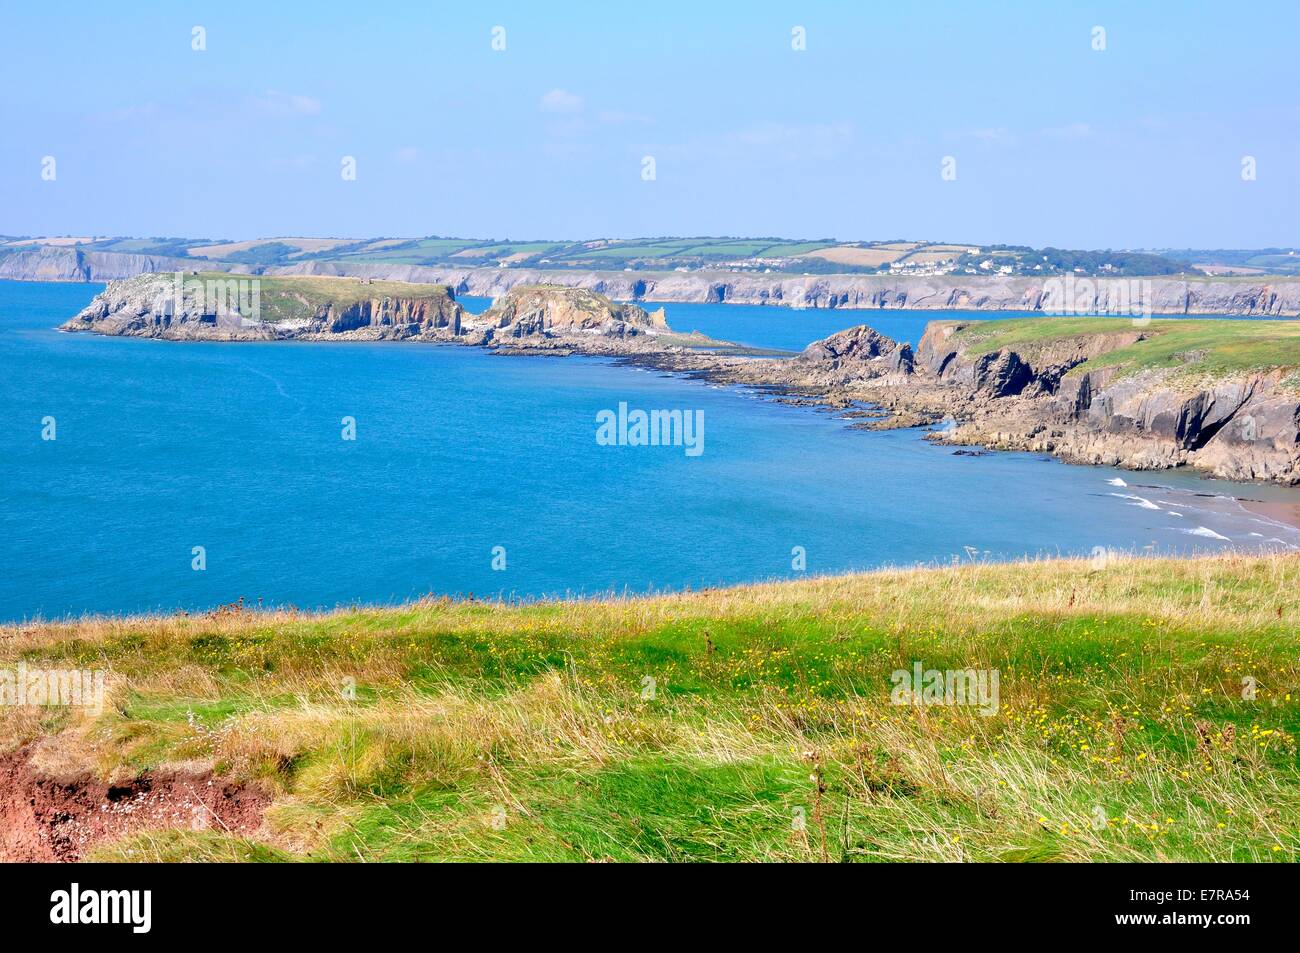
{"x": 1047, "y": 397}
{"x": 1053, "y": 393}
{"x": 1268, "y": 296}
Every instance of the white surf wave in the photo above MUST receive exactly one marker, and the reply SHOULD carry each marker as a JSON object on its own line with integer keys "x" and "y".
{"x": 1141, "y": 501}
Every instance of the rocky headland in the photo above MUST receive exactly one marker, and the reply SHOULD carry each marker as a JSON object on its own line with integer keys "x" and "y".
{"x": 1222, "y": 397}
{"x": 1217, "y": 396}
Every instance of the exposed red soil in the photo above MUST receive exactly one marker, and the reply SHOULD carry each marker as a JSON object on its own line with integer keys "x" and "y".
{"x": 47, "y": 820}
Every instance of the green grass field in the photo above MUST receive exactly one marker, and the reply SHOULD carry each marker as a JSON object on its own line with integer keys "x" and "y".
{"x": 1210, "y": 347}
{"x": 1147, "y": 711}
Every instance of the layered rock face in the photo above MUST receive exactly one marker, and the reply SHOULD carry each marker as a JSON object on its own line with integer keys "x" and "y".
{"x": 391, "y": 317}
{"x": 226, "y": 308}
{"x": 1241, "y": 428}
{"x": 1038, "y": 397}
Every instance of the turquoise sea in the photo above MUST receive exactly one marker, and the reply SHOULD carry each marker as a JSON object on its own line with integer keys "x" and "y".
{"x": 238, "y": 449}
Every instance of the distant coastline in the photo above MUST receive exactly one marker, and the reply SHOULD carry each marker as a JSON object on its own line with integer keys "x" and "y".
{"x": 1271, "y": 296}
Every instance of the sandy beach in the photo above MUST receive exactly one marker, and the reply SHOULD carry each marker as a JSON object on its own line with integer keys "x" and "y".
{"x": 1288, "y": 513}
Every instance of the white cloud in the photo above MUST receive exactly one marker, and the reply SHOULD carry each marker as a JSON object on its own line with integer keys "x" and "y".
{"x": 407, "y": 154}
{"x": 276, "y": 103}
{"x": 560, "y": 101}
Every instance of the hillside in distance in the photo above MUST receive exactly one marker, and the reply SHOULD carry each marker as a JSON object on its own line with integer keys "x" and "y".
{"x": 762, "y": 255}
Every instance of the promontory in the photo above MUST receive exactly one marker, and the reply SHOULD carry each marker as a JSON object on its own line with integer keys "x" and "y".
{"x": 1220, "y": 396}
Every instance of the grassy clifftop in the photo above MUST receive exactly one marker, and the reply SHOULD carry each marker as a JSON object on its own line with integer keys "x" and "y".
{"x": 745, "y": 724}
{"x": 1215, "y": 347}
{"x": 298, "y": 297}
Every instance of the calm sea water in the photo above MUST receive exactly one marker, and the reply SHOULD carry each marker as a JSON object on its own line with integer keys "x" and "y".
{"x": 776, "y": 327}
{"x": 236, "y": 448}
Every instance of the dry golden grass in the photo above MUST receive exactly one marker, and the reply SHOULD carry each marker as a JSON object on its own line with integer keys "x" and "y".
{"x": 849, "y": 255}
{"x": 489, "y": 731}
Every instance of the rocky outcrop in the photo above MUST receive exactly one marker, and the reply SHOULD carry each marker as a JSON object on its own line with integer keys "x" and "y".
{"x": 1267, "y": 296}
{"x": 217, "y": 307}
{"x": 856, "y": 354}
{"x": 533, "y": 311}
{"x": 1244, "y": 427}
{"x": 220, "y": 307}
{"x": 1045, "y": 397}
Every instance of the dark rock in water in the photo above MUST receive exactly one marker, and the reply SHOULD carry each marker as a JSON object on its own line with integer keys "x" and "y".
{"x": 971, "y": 453}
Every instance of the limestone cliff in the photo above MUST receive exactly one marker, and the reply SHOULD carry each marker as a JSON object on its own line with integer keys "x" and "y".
{"x": 51, "y": 263}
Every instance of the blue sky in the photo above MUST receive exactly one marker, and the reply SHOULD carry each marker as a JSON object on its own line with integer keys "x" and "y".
{"x": 1138, "y": 145}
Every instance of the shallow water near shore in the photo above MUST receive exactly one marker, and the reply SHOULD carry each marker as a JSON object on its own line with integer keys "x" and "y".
{"x": 238, "y": 449}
